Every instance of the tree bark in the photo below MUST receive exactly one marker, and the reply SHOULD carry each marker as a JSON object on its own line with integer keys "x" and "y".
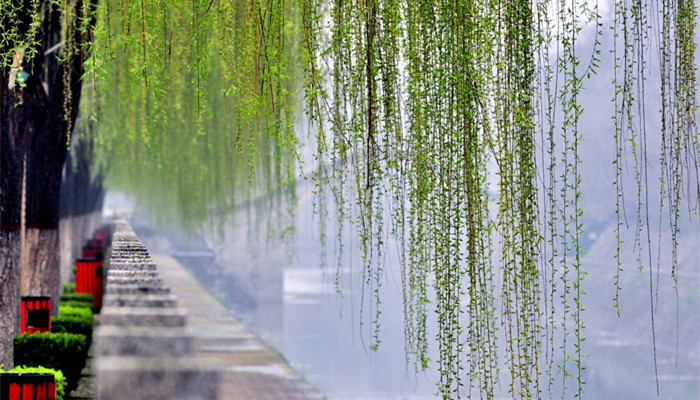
{"x": 9, "y": 295}
{"x": 21, "y": 113}
{"x": 46, "y": 156}
{"x": 42, "y": 276}
{"x": 34, "y": 128}
{"x": 65, "y": 234}
{"x": 10, "y": 192}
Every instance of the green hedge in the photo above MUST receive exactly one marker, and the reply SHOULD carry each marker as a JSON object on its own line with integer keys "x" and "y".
{"x": 75, "y": 304}
{"x": 62, "y": 351}
{"x": 82, "y": 297}
{"x": 66, "y": 310}
{"x": 69, "y": 288}
{"x": 73, "y": 324}
{"x": 58, "y": 377}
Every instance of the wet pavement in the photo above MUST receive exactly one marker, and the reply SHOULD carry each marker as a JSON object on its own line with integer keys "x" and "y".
{"x": 248, "y": 368}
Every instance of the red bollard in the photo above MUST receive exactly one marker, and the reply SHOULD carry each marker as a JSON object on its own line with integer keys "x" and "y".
{"x": 101, "y": 239}
{"x": 88, "y": 279}
{"x": 103, "y": 234}
{"x": 35, "y": 314}
{"x": 93, "y": 243}
{"x": 92, "y": 252}
{"x": 24, "y": 386}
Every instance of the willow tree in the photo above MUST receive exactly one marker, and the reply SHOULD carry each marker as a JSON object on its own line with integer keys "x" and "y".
{"x": 43, "y": 49}
{"x": 452, "y": 126}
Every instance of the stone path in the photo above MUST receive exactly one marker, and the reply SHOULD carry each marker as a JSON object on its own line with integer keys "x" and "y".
{"x": 87, "y": 385}
{"x": 248, "y": 369}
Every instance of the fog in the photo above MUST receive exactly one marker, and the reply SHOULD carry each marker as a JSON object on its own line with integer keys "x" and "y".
{"x": 283, "y": 293}
{"x": 281, "y": 290}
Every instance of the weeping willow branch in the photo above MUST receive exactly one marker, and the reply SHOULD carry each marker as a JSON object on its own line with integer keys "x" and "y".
{"x": 451, "y": 127}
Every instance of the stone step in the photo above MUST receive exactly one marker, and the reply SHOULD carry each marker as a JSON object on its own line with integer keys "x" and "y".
{"x": 136, "y": 289}
{"x": 151, "y": 317}
{"x": 112, "y": 273}
{"x": 144, "y": 341}
{"x": 135, "y": 280}
{"x": 129, "y": 378}
{"x": 132, "y": 266}
{"x": 140, "y": 300}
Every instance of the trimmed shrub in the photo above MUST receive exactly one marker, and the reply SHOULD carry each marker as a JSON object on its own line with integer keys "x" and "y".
{"x": 62, "y": 351}
{"x": 84, "y": 312}
{"x": 58, "y": 377}
{"x": 81, "y": 297}
{"x": 68, "y": 288}
{"x": 75, "y": 304}
{"x": 73, "y": 324}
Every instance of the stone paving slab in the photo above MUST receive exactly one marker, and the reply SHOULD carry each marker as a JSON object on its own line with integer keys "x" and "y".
{"x": 144, "y": 342}
{"x": 87, "y": 385}
{"x": 139, "y": 301}
{"x": 146, "y": 317}
{"x": 249, "y": 370}
{"x": 160, "y": 378}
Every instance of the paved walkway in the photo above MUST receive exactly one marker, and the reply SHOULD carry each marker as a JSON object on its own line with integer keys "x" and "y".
{"x": 249, "y": 369}
{"x": 87, "y": 385}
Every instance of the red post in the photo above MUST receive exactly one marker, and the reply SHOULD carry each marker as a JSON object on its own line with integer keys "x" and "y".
{"x": 35, "y": 314}
{"x": 92, "y": 252}
{"x": 88, "y": 279}
{"x": 101, "y": 237}
{"x": 94, "y": 243}
{"x": 27, "y": 386}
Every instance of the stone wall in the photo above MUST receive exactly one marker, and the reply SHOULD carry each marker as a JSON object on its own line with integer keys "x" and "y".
{"x": 144, "y": 349}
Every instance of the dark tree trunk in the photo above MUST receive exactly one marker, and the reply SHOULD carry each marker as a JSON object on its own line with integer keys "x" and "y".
{"x": 34, "y": 130}
{"x": 10, "y": 192}
{"x": 22, "y": 112}
{"x": 46, "y": 156}
{"x": 9, "y": 294}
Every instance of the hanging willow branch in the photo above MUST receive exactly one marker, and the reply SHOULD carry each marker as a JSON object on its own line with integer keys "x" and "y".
{"x": 451, "y": 127}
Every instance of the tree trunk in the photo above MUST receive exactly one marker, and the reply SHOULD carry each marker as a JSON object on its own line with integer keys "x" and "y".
{"x": 20, "y": 114}
{"x": 44, "y": 166}
{"x": 46, "y": 156}
{"x": 34, "y": 127}
{"x": 65, "y": 234}
{"x": 9, "y": 295}
{"x": 42, "y": 275}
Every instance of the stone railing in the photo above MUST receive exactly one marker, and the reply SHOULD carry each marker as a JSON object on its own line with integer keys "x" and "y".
{"x": 144, "y": 349}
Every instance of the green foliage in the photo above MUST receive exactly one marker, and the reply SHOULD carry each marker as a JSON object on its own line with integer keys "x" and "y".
{"x": 80, "y": 311}
{"x": 73, "y": 324}
{"x": 59, "y": 378}
{"x": 196, "y": 71}
{"x": 62, "y": 351}
{"x": 450, "y": 126}
{"x": 76, "y": 304}
{"x": 68, "y": 288}
{"x": 76, "y": 297}
{"x": 634, "y": 26}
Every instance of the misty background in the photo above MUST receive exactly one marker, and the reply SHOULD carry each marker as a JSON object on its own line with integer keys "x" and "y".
{"x": 281, "y": 290}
